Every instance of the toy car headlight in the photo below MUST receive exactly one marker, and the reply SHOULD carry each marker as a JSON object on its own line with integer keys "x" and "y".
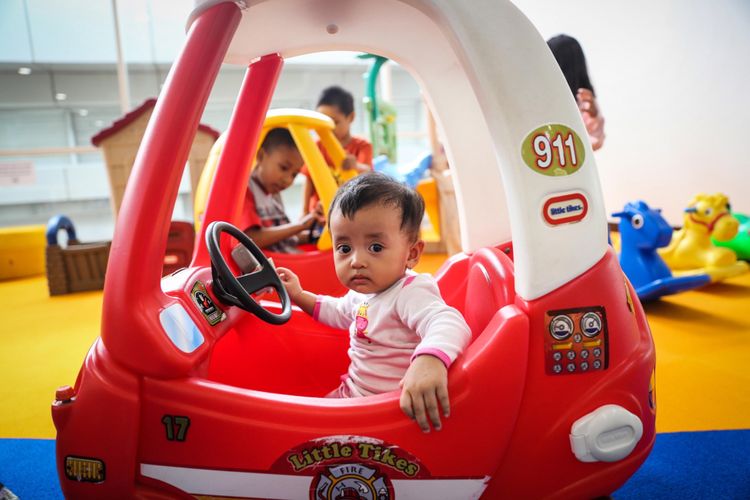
{"x": 607, "y": 434}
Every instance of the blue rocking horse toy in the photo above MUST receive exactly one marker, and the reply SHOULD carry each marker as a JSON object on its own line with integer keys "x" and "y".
{"x": 642, "y": 231}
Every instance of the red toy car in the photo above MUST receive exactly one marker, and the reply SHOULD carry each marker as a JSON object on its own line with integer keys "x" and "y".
{"x": 194, "y": 388}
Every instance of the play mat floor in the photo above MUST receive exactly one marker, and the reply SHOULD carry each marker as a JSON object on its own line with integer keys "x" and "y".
{"x": 702, "y": 342}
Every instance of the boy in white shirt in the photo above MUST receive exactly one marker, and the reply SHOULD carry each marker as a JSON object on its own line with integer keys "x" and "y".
{"x": 402, "y": 332}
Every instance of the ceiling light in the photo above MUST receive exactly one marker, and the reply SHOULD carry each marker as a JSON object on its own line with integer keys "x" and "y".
{"x": 24, "y": 70}
{"x": 83, "y": 112}
{"x": 60, "y": 96}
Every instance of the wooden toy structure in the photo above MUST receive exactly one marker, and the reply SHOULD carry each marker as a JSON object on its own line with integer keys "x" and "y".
{"x": 120, "y": 142}
{"x": 78, "y": 267}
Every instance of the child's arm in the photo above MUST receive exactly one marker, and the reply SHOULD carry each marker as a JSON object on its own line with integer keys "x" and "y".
{"x": 304, "y": 299}
{"x": 309, "y": 190}
{"x": 422, "y": 388}
{"x": 267, "y": 236}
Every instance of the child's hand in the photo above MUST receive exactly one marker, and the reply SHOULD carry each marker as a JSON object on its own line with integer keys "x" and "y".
{"x": 349, "y": 162}
{"x": 587, "y": 102}
{"x": 308, "y": 220}
{"x": 592, "y": 118}
{"x": 290, "y": 282}
{"x": 425, "y": 383}
{"x": 320, "y": 218}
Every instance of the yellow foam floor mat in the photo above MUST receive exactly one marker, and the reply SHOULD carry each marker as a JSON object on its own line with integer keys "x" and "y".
{"x": 702, "y": 343}
{"x": 44, "y": 341}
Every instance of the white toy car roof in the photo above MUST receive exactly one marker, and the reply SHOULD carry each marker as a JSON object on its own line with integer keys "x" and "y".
{"x": 491, "y": 83}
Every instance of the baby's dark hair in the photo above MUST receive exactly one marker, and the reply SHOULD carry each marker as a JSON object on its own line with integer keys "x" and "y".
{"x": 277, "y": 137}
{"x": 336, "y": 96}
{"x": 377, "y": 188}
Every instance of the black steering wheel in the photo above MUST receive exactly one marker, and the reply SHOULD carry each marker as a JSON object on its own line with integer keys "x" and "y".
{"x": 237, "y": 290}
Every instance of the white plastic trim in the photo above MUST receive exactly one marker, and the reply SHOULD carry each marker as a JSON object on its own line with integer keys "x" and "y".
{"x": 201, "y": 5}
{"x": 608, "y": 434}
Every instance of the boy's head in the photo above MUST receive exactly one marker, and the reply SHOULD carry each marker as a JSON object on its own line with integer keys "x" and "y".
{"x": 278, "y": 161}
{"x": 374, "y": 222}
{"x": 338, "y": 105}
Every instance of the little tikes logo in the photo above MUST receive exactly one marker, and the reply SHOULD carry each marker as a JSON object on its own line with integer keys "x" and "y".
{"x": 358, "y": 451}
{"x": 565, "y": 208}
{"x": 350, "y": 467}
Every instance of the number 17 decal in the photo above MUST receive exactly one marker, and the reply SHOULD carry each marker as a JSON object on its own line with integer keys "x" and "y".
{"x": 553, "y": 150}
{"x": 176, "y": 427}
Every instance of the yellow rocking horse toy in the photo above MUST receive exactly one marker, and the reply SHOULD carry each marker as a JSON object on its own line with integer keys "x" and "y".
{"x": 691, "y": 250}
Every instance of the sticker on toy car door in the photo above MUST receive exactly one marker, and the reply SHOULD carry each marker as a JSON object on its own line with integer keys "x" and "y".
{"x": 554, "y": 150}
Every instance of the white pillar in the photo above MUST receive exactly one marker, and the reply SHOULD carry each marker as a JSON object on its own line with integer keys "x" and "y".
{"x": 123, "y": 84}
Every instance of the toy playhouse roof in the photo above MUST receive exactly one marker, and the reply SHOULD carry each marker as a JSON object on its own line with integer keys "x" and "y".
{"x": 130, "y": 117}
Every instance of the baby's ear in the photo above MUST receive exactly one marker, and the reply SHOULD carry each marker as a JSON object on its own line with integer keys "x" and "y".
{"x": 350, "y": 117}
{"x": 415, "y": 252}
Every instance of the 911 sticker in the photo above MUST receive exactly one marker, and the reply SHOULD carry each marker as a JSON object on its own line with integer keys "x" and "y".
{"x": 553, "y": 150}
{"x": 565, "y": 208}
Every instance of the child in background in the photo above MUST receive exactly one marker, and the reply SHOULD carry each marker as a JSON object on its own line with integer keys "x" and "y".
{"x": 402, "y": 333}
{"x": 277, "y": 164}
{"x": 338, "y": 105}
{"x": 569, "y": 56}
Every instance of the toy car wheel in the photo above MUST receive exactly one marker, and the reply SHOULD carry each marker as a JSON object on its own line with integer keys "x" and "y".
{"x": 238, "y": 290}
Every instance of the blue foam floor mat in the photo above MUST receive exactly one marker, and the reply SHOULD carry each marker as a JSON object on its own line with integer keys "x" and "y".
{"x": 683, "y": 465}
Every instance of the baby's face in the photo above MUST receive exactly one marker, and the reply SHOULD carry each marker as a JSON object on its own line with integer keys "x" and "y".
{"x": 278, "y": 168}
{"x": 370, "y": 251}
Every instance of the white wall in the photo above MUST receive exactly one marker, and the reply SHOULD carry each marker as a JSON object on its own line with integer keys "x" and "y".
{"x": 672, "y": 81}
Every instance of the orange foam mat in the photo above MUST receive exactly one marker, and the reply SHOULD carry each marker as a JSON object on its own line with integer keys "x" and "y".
{"x": 702, "y": 342}
{"x": 702, "y": 339}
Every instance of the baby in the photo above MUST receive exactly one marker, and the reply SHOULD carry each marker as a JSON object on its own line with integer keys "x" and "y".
{"x": 402, "y": 332}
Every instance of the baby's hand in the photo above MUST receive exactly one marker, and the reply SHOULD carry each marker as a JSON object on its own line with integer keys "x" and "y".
{"x": 425, "y": 383}
{"x": 290, "y": 282}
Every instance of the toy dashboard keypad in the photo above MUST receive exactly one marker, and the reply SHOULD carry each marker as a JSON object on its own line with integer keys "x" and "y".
{"x": 576, "y": 341}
